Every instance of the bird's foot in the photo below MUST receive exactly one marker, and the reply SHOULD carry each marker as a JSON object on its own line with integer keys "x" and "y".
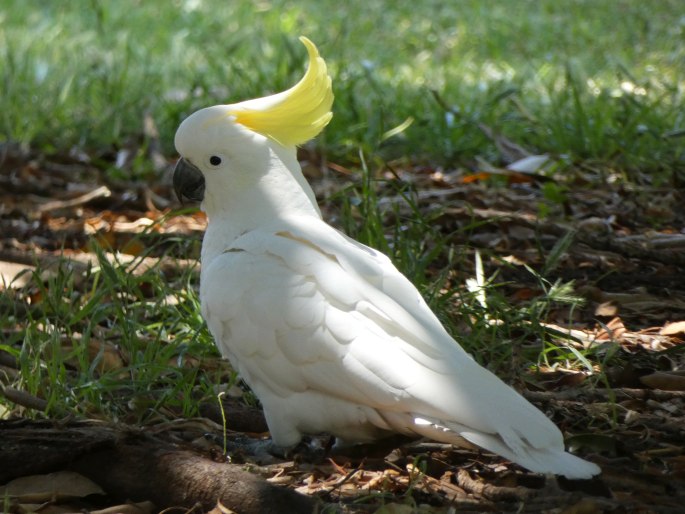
{"x": 241, "y": 448}
{"x": 312, "y": 450}
{"x": 379, "y": 448}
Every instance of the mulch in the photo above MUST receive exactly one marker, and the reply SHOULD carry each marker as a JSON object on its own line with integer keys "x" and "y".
{"x": 626, "y": 259}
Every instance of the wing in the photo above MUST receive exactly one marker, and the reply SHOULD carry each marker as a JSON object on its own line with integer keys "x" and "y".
{"x": 290, "y": 316}
{"x": 300, "y": 307}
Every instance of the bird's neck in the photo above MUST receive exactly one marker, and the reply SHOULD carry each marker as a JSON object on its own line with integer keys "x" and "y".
{"x": 279, "y": 193}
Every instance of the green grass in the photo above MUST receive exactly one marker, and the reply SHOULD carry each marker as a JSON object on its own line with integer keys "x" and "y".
{"x": 564, "y": 78}
{"x": 112, "y": 341}
{"x": 598, "y": 82}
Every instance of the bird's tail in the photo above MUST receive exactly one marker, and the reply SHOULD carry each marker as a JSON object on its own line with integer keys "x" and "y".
{"x": 538, "y": 460}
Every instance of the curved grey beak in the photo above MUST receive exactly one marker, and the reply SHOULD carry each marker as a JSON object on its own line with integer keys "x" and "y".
{"x": 189, "y": 183}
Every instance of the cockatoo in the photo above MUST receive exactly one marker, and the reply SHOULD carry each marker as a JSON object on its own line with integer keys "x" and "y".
{"x": 329, "y": 335}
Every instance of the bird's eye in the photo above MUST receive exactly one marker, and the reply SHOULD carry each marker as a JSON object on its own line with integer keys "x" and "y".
{"x": 215, "y": 160}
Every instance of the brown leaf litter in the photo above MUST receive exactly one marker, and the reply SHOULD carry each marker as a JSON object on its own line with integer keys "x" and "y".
{"x": 627, "y": 260}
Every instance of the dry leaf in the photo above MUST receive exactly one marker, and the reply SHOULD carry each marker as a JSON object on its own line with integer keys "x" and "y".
{"x": 395, "y": 508}
{"x": 584, "y": 506}
{"x": 128, "y": 508}
{"x": 221, "y": 509}
{"x": 606, "y": 309}
{"x": 109, "y": 355}
{"x": 475, "y": 177}
{"x": 672, "y": 329}
{"x": 61, "y": 485}
{"x": 530, "y": 164}
{"x": 665, "y": 381}
{"x": 612, "y": 330}
{"x": 44, "y": 508}
{"x": 11, "y": 274}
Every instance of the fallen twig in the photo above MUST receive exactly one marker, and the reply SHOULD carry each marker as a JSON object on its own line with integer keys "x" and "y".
{"x": 24, "y": 399}
{"x": 99, "y": 192}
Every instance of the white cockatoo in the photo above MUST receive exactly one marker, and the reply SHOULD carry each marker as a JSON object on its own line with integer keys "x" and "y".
{"x": 329, "y": 335}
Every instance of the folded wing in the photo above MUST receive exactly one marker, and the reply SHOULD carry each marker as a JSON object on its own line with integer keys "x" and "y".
{"x": 331, "y": 336}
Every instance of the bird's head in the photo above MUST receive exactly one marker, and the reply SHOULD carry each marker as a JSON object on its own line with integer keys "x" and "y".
{"x": 241, "y": 141}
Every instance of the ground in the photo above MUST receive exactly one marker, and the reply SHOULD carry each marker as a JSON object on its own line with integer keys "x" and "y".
{"x": 609, "y": 371}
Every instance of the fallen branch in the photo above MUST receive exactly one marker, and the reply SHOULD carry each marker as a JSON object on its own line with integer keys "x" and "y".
{"x": 24, "y": 399}
{"x": 81, "y": 262}
{"x": 593, "y": 395}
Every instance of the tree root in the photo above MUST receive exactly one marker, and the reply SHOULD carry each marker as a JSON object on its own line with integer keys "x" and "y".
{"x": 133, "y": 465}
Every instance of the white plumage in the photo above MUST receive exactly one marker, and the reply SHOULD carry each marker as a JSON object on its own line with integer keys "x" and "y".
{"x": 327, "y": 332}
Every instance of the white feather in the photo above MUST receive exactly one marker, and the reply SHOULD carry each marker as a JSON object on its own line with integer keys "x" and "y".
{"x": 333, "y": 338}
{"x": 326, "y": 331}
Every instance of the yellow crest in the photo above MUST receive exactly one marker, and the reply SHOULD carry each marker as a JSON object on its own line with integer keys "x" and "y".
{"x": 295, "y": 116}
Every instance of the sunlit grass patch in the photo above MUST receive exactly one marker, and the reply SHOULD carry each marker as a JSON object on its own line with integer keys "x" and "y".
{"x": 559, "y": 78}
{"x": 111, "y": 341}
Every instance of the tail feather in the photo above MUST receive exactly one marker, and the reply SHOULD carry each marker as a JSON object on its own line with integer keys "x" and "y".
{"x": 539, "y": 460}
